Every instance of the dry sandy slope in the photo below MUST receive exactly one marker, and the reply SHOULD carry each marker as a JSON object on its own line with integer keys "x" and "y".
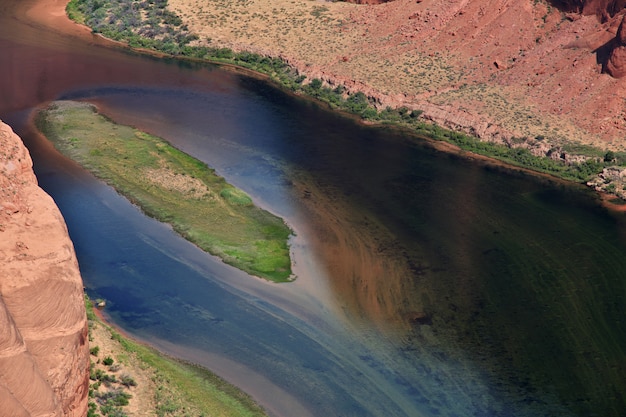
{"x": 142, "y": 402}
{"x": 498, "y": 68}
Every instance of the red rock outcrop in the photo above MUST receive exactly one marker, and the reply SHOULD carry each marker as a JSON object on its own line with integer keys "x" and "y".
{"x": 603, "y": 8}
{"x": 551, "y": 56}
{"x": 616, "y": 64}
{"x": 44, "y": 355}
{"x": 370, "y": 2}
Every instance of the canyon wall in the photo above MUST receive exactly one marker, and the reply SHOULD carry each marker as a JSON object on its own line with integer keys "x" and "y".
{"x": 550, "y": 71}
{"x": 44, "y": 354}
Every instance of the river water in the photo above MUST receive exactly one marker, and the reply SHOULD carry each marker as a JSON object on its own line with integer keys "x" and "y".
{"x": 428, "y": 283}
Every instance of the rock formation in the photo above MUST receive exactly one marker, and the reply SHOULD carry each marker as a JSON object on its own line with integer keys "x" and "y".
{"x": 44, "y": 355}
{"x": 611, "y": 180}
{"x": 616, "y": 63}
{"x": 370, "y": 2}
{"x": 603, "y": 8}
{"x": 500, "y": 69}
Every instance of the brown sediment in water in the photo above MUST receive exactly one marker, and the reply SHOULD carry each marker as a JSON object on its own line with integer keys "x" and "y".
{"x": 612, "y": 202}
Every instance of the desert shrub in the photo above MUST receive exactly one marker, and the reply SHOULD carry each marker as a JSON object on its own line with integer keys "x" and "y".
{"x": 316, "y": 84}
{"x": 115, "y": 398}
{"x": 128, "y": 381}
{"x": 609, "y": 156}
{"x": 357, "y": 103}
{"x": 96, "y": 374}
{"x": 92, "y": 411}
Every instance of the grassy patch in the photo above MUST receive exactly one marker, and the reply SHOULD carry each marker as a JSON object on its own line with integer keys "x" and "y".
{"x": 175, "y": 388}
{"x": 172, "y": 187}
{"x": 73, "y": 12}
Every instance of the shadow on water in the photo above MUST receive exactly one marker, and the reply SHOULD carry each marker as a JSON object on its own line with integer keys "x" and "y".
{"x": 430, "y": 284}
{"x": 522, "y": 274}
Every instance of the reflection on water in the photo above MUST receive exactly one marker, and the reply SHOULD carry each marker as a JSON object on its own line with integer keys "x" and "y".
{"x": 428, "y": 284}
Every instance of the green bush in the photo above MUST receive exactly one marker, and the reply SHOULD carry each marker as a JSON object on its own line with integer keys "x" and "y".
{"x": 357, "y": 103}
{"x": 128, "y": 381}
{"x": 96, "y": 374}
{"x": 92, "y": 411}
{"x": 316, "y": 84}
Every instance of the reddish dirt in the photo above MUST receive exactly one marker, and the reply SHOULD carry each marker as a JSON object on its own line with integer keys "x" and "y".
{"x": 497, "y": 69}
{"x": 544, "y": 57}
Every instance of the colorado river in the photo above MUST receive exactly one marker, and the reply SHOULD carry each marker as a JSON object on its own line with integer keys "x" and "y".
{"x": 428, "y": 283}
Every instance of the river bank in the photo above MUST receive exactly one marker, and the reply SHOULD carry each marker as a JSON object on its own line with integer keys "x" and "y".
{"x": 520, "y": 69}
{"x": 563, "y": 156}
{"x": 151, "y": 382}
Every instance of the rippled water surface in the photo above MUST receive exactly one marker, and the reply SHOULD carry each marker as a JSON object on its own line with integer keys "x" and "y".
{"x": 428, "y": 284}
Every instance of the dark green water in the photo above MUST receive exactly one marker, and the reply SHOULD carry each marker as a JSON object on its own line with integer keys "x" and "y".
{"x": 428, "y": 284}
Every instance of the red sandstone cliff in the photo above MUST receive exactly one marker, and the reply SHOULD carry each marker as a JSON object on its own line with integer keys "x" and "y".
{"x": 44, "y": 355}
{"x": 556, "y": 63}
{"x": 503, "y": 70}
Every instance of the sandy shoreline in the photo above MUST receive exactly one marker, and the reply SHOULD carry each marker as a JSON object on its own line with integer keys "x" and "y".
{"x": 52, "y": 15}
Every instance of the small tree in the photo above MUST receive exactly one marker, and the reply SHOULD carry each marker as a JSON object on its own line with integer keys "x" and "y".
{"x": 316, "y": 84}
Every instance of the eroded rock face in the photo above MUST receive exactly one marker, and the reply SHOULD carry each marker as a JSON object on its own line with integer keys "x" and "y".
{"x": 370, "y": 2}
{"x": 44, "y": 355}
{"x": 603, "y": 8}
{"x": 612, "y": 54}
{"x": 616, "y": 64}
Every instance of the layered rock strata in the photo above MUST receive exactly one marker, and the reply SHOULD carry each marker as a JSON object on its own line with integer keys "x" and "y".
{"x": 44, "y": 354}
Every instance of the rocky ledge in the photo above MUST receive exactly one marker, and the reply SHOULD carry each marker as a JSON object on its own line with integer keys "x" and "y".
{"x": 44, "y": 354}
{"x": 611, "y": 180}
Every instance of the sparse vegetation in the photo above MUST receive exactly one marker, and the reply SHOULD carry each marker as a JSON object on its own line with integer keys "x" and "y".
{"x": 107, "y": 396}
{"x": 168, "y": 388}
{"x": 141, "y": 24}
{"x": 128, "y": 381}
{"x": 150, "y": 25}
